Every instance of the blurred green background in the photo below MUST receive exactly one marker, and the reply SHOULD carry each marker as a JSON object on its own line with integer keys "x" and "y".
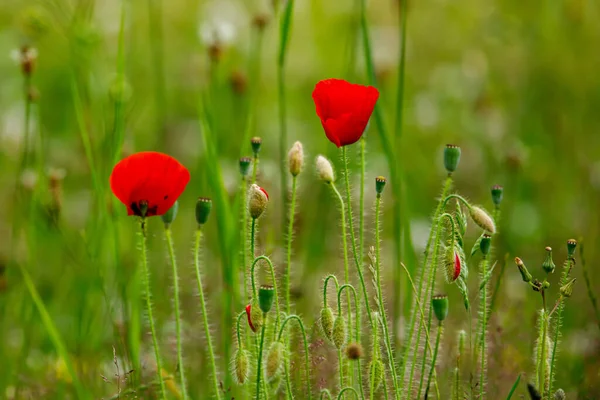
{"x": 514, "y": 83}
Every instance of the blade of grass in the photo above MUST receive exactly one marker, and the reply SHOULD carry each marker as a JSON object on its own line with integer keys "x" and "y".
{"x": 514, "y": 387}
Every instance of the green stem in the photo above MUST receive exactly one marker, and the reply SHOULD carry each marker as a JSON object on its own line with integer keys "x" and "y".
{"x": 272, "y": 270}
{"x": 244, "y": 240}
{"x": 289, "y": 247}
{"x": 588, "y": 284}
{"x": 483, "y": 333}
{"x": 211, "y": 354}
{"x": 239, "y": 329}
{"x": 306, "y": 354}
{"x": 337, "y": 288}
{"x": 325, "y": 392}
{"x": 382, "y": 311}
{"x": 341, "y": 367}
{"x": 146, "y": 272}
{"x": 435, "y": 353}
{"x": 252, "y": 245}
{"x": 347, "y": 389}
{"x": 169, "y": 238}
{"x": 254, "y": 167}
{"x": 542, "y": 369}
{"x": 259, "y": 360}
{"x": 361, "y": 208}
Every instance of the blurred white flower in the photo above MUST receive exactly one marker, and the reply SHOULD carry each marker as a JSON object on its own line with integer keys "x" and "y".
{"x": 24, "y": 55}
{"x": 221, "y": 22}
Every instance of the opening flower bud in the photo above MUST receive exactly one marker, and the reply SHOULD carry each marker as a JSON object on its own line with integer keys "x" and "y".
{"x": 266, "y": 294}
{"x": 241, "y": 366}
{"x": 523, "y": 270}
{"x": 354, "y": 351}
{"x": 440, "y": 306}
{"x": 548, "y": 264}
{"x": 296, "y": 159}
{"x": 571, "y": 245}
{"x": 376, "y": 373}
{"x": 451, "y": 157}
{"x": 170, "y": 215}
{"x": 258, "y": 199}
{"x": 567, "y": 289}
{"x": 256, "y": 143}
{"x": 339, "y": 332}
{"x": 379, "y": 185}
{"x": 326, "y": 320}
{"x": 245, "y": 166}
{"x": 255, "y": 316}
{"x": 497, "y": 194}
{"x": 453, "y": 264}
{"x": 485, "y": 243}
{"x": 324, "y": 169}
{"x": 203, "y": 207}
{"x": 274, "y": 360}
{"x": 483, "y": 219}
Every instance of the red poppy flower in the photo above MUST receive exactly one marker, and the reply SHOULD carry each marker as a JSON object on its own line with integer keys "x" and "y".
{"x": 457, "y": 266}
{"x": 248, "y": 312}
{"x": 148, "y": 183}
{"x": 344, "y": 109}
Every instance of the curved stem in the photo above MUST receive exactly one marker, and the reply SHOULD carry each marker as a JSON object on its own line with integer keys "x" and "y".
{"x": 306, "y": 360}
{"x": 272, "y": 270}
{"x": 347, "y": 389}
{"x": 211, "y": 354}
{"x": 435, "y": 353}
{"x": 169, "y": 238}
{"x": 238, "y": 328}
{"x": 146, "y": 272}
{"x": 325, "y": 392}
{"x": 289, "y": 246}
{"x": 458, "y": 197}
{"x": 259, "y": 360}
{"x": 337, "y": 287}
{"x": 357, "y": 319}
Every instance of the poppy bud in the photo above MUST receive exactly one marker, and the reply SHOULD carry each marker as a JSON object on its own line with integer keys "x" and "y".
{"x": 256, "y": 143}
{"x": 548, "y": 264}
{"x": 451, "y": 157}
{"x": 296, "y": 159}
{"x": 274, "y": 359}
{"x": 453, "y": 264}
{"x": 376, "y": 373}
{"x": 203, "y": 207}
{"x": 255, "y": 316}
{"x": 241, "y": 366}
{"x": 482, "y": 218}
{"x": 497, "y": 194}
{"x": 265, "y": 298}
{"x": 170, "y": 215}
{"x": 440, "y": 306}
{"x": 571, "y": 245}
{"x": 327, "y": 322}
{"x": 245, "y": 165}
{"x": 567, "y": 289}
{"x": 354, "y": 351}
{"x": 559, "y": 395}
{"x": 545, "y": 285}
{"x": 485, "y": 243}
{"x": 324, "y": 169}
{"x": 523, "y": 270}
{"x": 257, "y": 201}
{"x": 379, "y": 185}
{"x": 339, "y": 332}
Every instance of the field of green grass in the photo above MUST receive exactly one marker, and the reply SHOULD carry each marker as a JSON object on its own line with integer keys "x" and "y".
{"x": 86, "y": 83}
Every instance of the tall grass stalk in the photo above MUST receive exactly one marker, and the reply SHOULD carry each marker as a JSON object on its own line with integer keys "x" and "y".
{"x": 306, "y": 353}
{"x": 588, "y": 284}
{"x": 484, "y": 315}
{"x": 156, "y": 34}
{"x": 433, "y": 360}
{"x": 290, "y": 234}
{"x": 361, "y": 207}
{"x": 211, "y": 354}
{"x": 543, "y": 361}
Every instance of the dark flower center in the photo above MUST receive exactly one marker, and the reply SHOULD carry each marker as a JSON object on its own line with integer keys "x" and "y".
{"x": 142, "y": 209}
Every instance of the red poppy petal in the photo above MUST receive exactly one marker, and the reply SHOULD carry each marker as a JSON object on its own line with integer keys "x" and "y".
{"x": 248, "y": 308}
{"x": 457, "y": 266}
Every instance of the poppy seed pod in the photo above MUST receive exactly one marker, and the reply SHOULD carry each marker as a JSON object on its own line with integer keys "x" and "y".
{"x": 266, "y": 294}
{"x": 257, "y": 200}
{"x": 485, "y": 243}
{"x": 523, "y": 270}
{"x": 379, "y": 185}
{"x": 274, "y": 360}
{"x": 451, "y": 157}
{"x": 497, "y": 194}
{"x": 440, "y": 306}
{"x": 245, "y": 166}
{"x": 256, "y": 143}
{"x": 354, "y": 351}
{"x": 241, "y": 366}
{"x": 571, "y": 245}
{"x": 170, "y": 215}
{"x": 339, "y": 332}
{"x": 548, "y": 264}
{"x": 376, "y": 373}
{"x": 296, "y": 159}
{"x": 327, "y": 319}
{"x": 482, "y": 218}
{"x": 203, "y": 207}
{"x": 324, "y": 169}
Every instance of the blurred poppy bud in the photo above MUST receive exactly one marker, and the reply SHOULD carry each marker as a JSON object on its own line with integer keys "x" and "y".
{"x": 274, "y": 359}
{"x": 326, "y": 320}
{"x": 354, "y": 351}
{"x": 241, "y": 366}
{"x": 482, "y": 218}
{"x": 170, "y": 215}
{"x": 440, "y": 306}
{"x": 324, "y": 169}
{"x": 376, "y": 373}
{"x": 296, "y": 159}
{"x": 265, "y": 298}
{"x": 257, "y": 201}
{"x": 497, "y": 194}
{"x": 245, "y": 166}
{"x": 523, "y": 270}
{"x": 379, "y": 185}
{"x": 203, "y": 207}
{"x": 339, "y": 332}
{"x": 451, "y": 157}
{"x": 256, "y": 143}
{"x": 548, "y": 264}
{"x": 255, "y": 316}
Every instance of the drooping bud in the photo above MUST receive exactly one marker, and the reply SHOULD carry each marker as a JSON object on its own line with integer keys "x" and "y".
{"x": 258, "y": 199}
{"x": 571, "y": 245}
{"x": 266, "y": 294}
{"x": 203, "y": 207}
{"x": 523, "y": 270}
{"x": 440, "y": 306}
{"x": 256, "y": 143}
{"x": 567, "y": 289}
{"x": 559, "y": 395}
{"x": 379, "y": 185}
{"x": 327, "y": 319}
{"x": 453, "y": 264}
{"x": 249, "y": 315}
{"x": 245, "y": 166}
{"x": 548, "y": 264}
{"x": 485, "y": 243}
{"x": 483, "y": 219}
{"x": 339, "y": 332}
{"x": 497, "y": 194}
{"x": 274, "y": 359}
{"x": 241, "y": 366}
{"x": 296, "y": 159}
{"x": 324, "y": 169}
{"x": 255, "y": 316}
{"x": 170, "y": 215}
{"x": 376, "y": 374}
{"x": 354, "y": 351}
{"x": 451, "y": 157}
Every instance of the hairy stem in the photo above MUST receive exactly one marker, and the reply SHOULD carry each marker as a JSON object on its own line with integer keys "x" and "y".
{"x": 305, "y": 342}
{"x": 259, "y": 360}
{"x": 435, "y": 353}
{"x": 289, "y": 247}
